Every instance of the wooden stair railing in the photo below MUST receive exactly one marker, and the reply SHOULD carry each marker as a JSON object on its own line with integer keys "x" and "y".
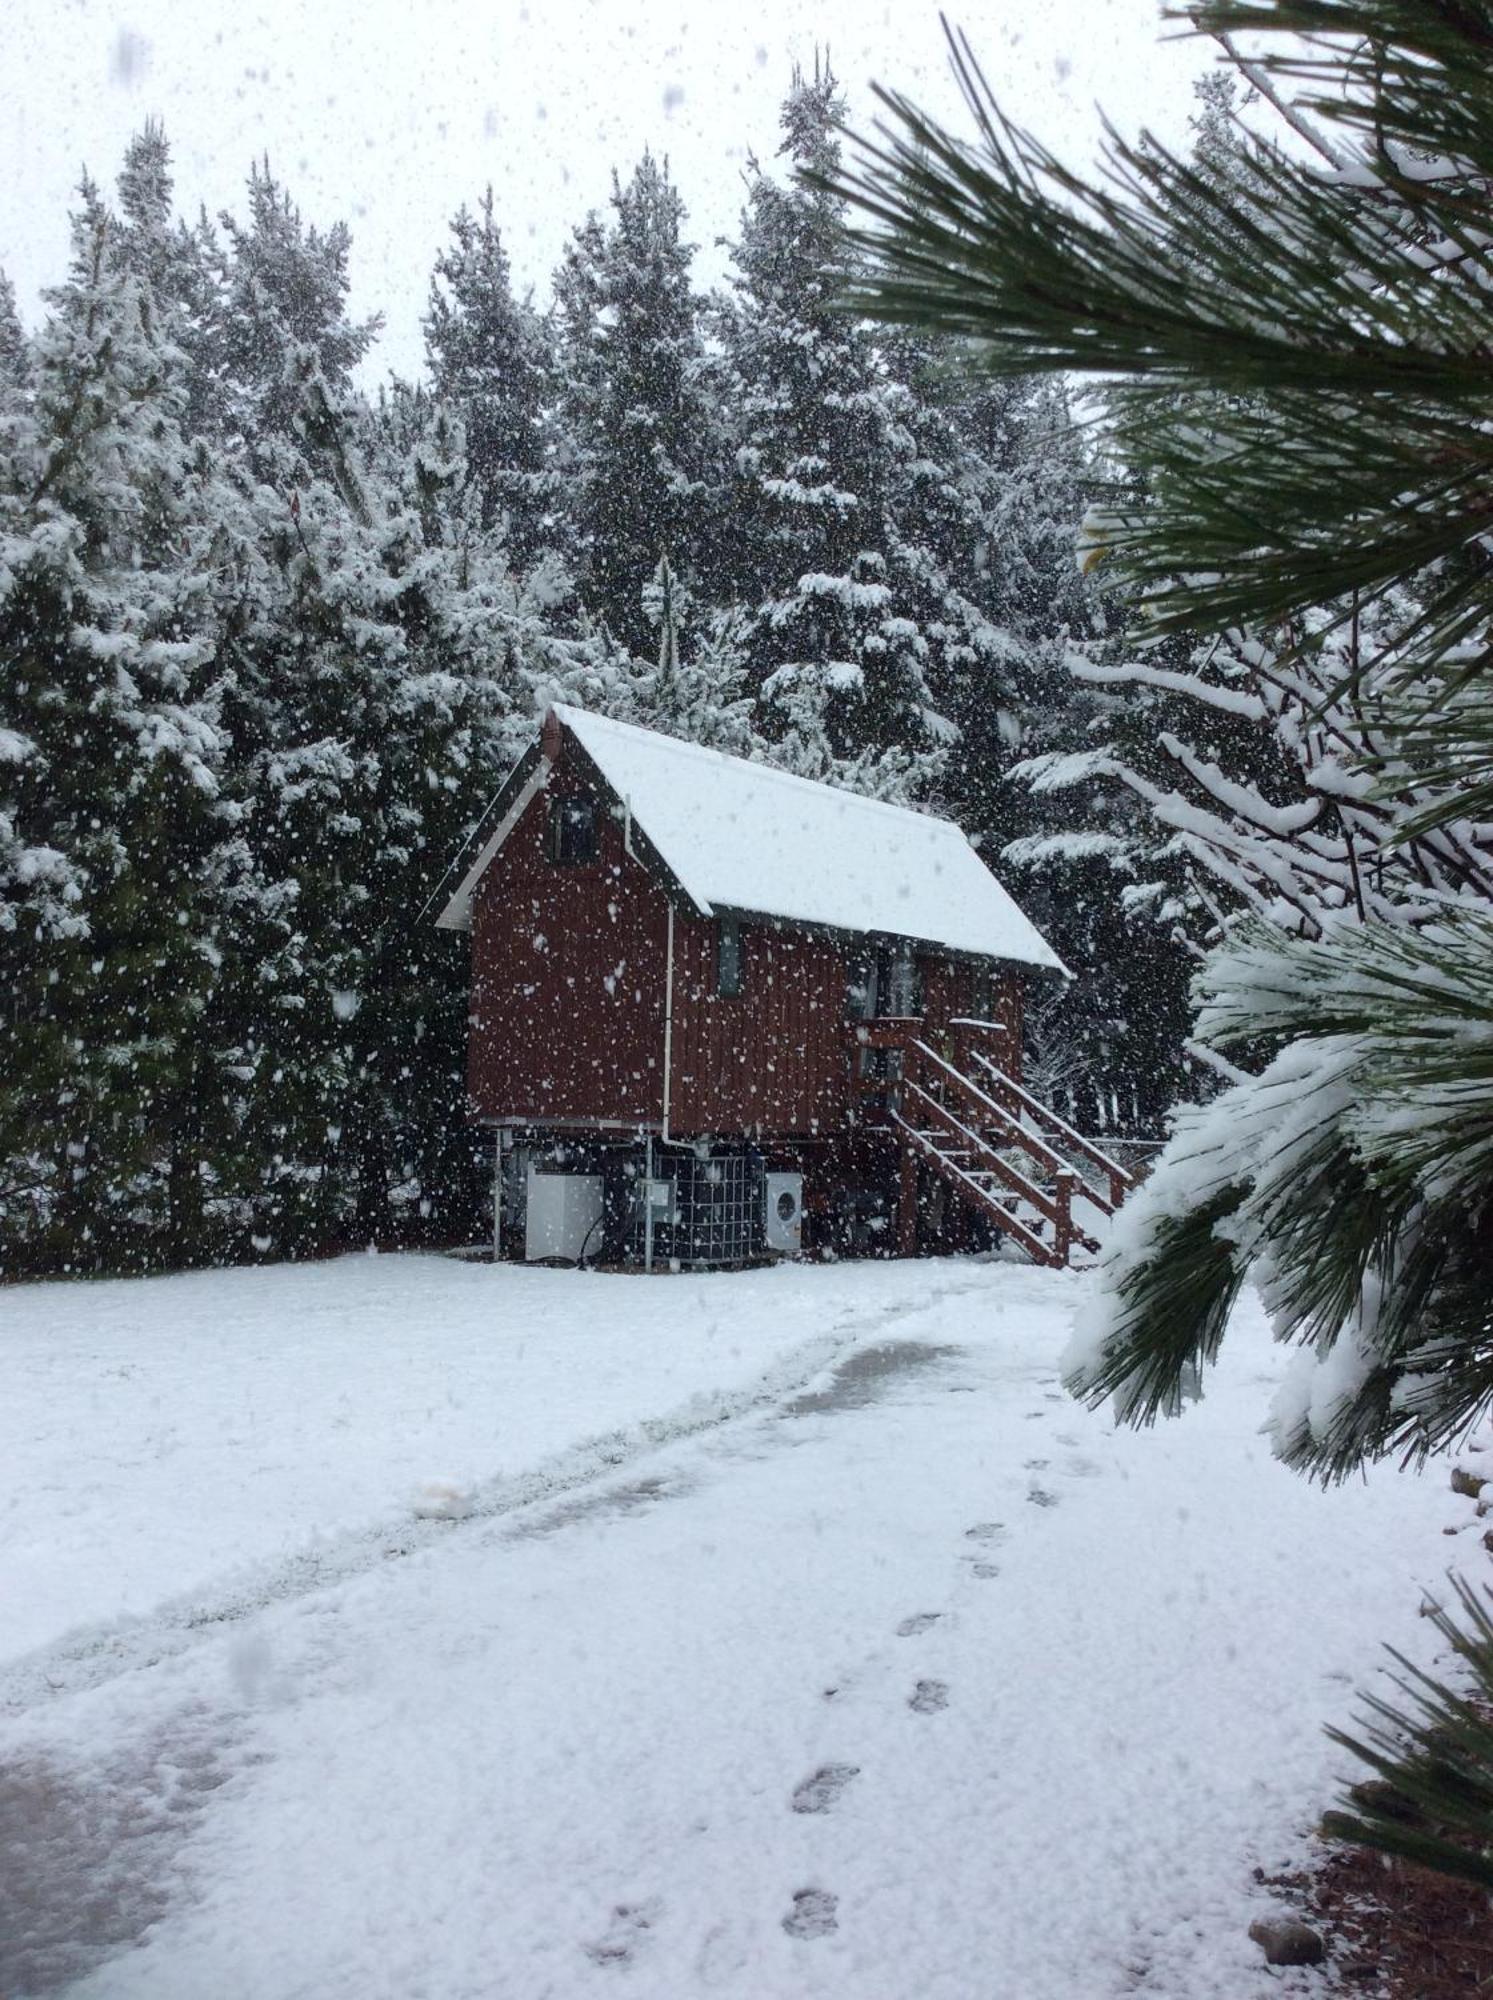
{"x": 1120, "y": 1182}
{"x": 989, "y": 1113}
{"x": 965, "y": 1133}
{"x": 974, "y": 1188}
{"x": 967, "y": 1159}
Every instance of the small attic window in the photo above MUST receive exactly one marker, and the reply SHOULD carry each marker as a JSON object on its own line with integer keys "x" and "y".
{"x": 571, "y": 832}
{"x": 728, "y": 959}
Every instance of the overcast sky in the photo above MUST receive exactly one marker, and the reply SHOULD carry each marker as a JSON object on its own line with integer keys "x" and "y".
{"x": 390, "y": 113}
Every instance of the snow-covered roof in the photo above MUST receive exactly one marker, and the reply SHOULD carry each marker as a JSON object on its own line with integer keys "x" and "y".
{"x": 744, "y": 837}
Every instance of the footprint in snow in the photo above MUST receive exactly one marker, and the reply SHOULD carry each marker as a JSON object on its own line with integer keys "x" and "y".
{"x": 821, "y": 1793}
{"x": 629, "y": 1928}
{"x": 920, "y": 1621}
{"x": 813, "y": 1914}
{"x": 990, "y": 1534}
{"x": 1040, "y": 1497}
{"x": 1036, "y": 1465}
{"x": 928, "y": 1697}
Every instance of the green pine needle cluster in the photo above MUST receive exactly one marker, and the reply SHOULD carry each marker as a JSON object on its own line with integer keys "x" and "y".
{"x": 1431, "y": 1801}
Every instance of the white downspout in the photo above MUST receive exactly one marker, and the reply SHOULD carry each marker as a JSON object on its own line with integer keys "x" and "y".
{"x": 664, "y": 1137}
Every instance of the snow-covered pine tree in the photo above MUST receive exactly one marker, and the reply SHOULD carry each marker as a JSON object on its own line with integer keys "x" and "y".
{"x": 489, "y": 357}
{"x": 183, "y": 268}
{"x": 282, "y": 316}
{"x": 382, "y": 684}
{"x": 697, "y": 690}
{"x": 113, "y": 833}
{"x": 12, "y": 337}
{"x": 338, "y": 749}
{"x": 637, "y": 425}
{"x": 853, "y": 620}
{"x": 1302, "y": 353}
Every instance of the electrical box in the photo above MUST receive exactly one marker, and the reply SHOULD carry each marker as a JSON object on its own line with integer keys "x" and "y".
{"x": 659, "y": 1196}
{"x": 784, "y": 1213}
{"x": 562, "y": 1217}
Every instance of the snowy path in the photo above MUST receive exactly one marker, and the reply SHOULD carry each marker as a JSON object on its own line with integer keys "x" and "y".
{"x": 921, "y": 1682}
{"x": 179, "y": 1450}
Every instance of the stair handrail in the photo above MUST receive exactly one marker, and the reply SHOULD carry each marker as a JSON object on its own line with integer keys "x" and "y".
{"x": 1014, "y": 1130}
{"x": 1002, "y": 1216}
{"x": 1120, "y": 1182}
{"x": 1012, "y": 1176}
{"x": 1057, "y": 1207}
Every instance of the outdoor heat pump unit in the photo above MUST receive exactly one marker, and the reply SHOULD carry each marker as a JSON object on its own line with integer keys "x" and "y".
{"x": 784, "y": 1219}
{"x": 562, "y": 1218}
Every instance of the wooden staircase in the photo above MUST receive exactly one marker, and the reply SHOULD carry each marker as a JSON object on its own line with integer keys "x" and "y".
{"x": 999, "y": 1149}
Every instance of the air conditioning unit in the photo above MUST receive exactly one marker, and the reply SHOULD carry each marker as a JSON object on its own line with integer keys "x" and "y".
{"x": 563, "y": 1217}
{"x": 784, "y": 1218}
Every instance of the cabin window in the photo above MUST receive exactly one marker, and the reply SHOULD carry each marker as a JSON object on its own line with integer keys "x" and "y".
{"x": 728, "y": 959}
{"x": 572, "y": 831}
{"x": 982, "y": 993}
{"x": 860, "y": 991}
{"x": 887, "y": 981}
{"x": 903, "y": 995}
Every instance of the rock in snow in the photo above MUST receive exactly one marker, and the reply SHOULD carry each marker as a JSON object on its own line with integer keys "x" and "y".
{"x": 1287, "y": 1941}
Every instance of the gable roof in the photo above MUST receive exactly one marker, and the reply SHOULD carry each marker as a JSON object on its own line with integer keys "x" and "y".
{"x": 744, "y": 838}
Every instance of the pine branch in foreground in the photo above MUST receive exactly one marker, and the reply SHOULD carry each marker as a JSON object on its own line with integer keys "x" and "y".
{"x": 1432, "y": 1754}
{"x": 1346, "y": 313}
{"x": 1301, "y": 407}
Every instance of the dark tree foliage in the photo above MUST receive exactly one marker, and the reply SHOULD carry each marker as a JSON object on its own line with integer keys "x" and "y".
{"x": 490, "y": 363}
{"x": 267, "y": 648}
{"x": 637, "y": 427}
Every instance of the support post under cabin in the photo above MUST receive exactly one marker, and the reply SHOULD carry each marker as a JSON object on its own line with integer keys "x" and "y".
{"x": 497, "y": 1194}
{"x": 907, "y": 1205}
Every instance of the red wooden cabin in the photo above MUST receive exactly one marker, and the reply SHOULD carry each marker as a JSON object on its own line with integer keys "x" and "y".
{"x": 714, "y": 1004}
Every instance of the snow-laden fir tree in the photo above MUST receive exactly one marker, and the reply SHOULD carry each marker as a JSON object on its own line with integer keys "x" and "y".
{"x": 114, "y": 838}
{"x": 857, "y": 622}
{"x": 1303, "y": 359}
{"x": 373, "y": 704}
{"x": 12, "y": 337}
{"x": 490, "y": 362}
{"x": 636, "y": 423}
{"x": 697, "y": 690}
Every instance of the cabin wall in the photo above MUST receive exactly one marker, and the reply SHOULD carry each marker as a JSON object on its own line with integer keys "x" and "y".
{"x": 772, "y": 1060}
{"x": 567, "y": 1008}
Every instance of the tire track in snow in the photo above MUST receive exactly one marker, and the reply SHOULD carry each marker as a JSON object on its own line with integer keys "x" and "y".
{"x": 92, "y": 1655}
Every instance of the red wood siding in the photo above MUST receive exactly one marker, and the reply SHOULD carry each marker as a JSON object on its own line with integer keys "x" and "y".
{"x": 567, "y": 1010}
{"x": 774, "y": 1059}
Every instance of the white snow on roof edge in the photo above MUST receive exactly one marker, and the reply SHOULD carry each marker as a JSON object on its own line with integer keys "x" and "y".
{"x": 743, "y": 836}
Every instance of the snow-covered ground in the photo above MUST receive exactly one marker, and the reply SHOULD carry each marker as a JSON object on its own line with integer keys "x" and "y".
{"x": 800, "y": 1638}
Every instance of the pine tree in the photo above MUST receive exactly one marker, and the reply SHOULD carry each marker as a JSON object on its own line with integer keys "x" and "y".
{"x": 182, "y": 267}
{"x": 857, "y": 620}
{"x": 113, "y": 838}
{"x": 636, "y": 421}
{"x": 697, "y": 690}
{"x": 1324, "y": 329}
{"x": 288, "y": 343}
{"x": 489, "y": 361}
{"x": 12, "y": 337}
